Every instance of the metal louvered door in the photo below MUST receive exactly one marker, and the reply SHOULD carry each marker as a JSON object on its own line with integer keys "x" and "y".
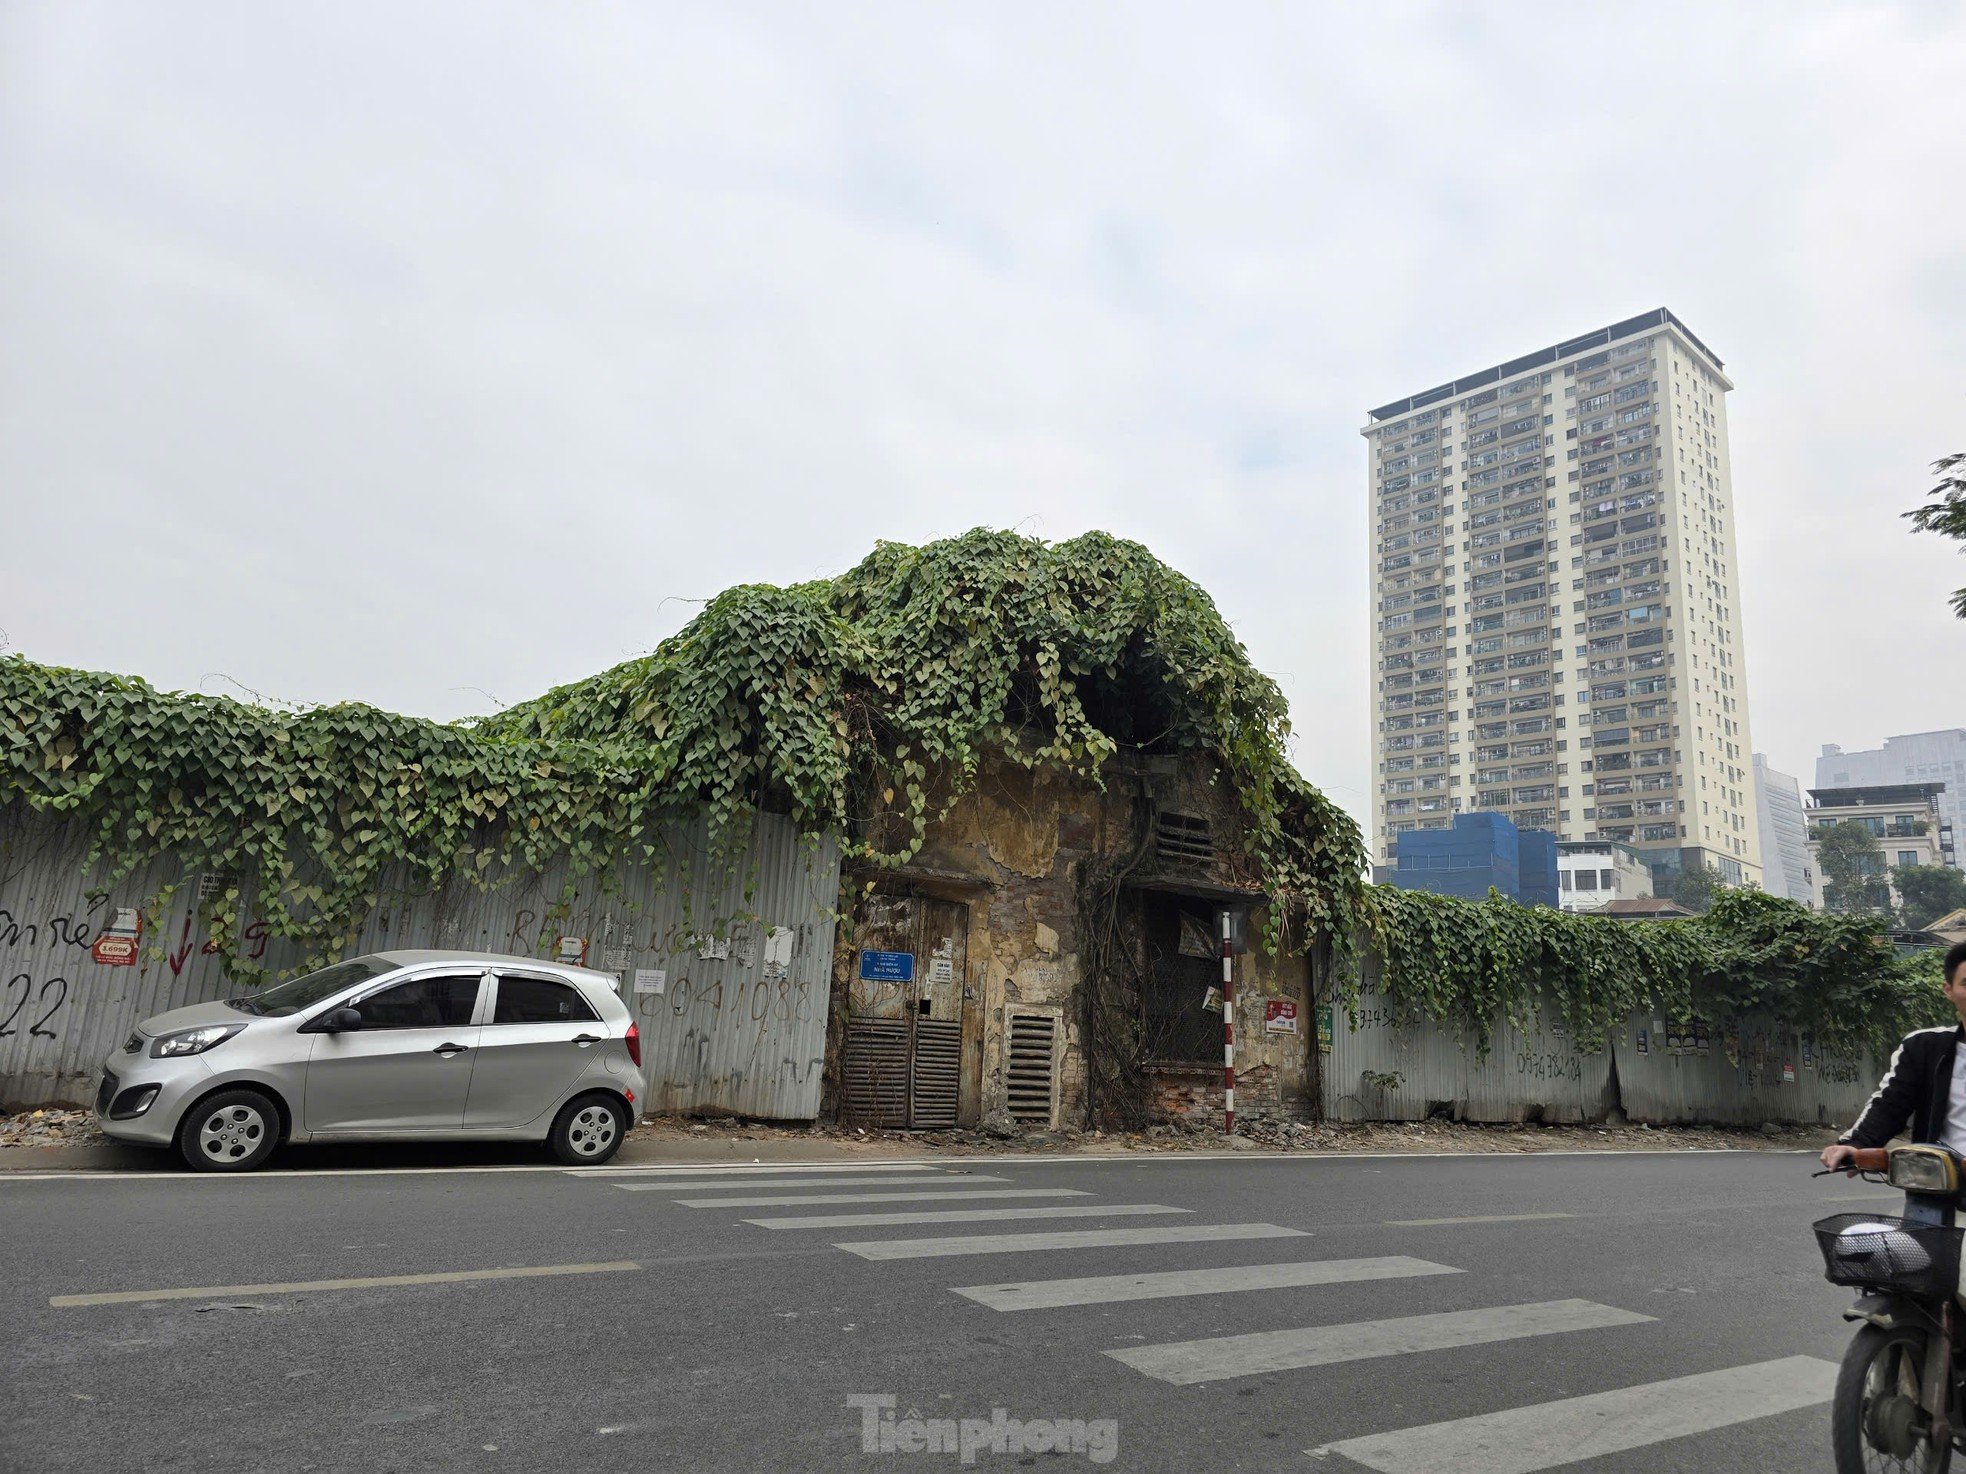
{"x": 902, "y": 1064}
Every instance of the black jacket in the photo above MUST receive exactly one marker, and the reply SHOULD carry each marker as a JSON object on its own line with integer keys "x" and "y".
{"x": 1916, "y": 1088}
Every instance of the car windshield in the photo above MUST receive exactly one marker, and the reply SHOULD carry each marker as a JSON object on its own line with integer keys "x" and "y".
{"x": 310, "y": 988}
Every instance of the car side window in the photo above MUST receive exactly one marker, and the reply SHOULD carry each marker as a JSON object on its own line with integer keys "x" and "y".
{"x": 422, "y": 1003}
{"x": 540, "y": 1001}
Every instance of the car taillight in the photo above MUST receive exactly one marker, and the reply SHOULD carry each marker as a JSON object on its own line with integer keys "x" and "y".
{"x": 633, "y": 1039}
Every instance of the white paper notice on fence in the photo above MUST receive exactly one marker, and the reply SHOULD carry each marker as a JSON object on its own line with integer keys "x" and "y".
{"x": 651, "y": 979}
{"x": 778, "y": 953}
{"x": 614, "y": 959}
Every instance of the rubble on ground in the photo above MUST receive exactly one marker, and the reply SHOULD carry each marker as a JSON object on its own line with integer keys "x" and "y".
{"x": 50, "y": 1126}
{"x": 999, "y": 1132}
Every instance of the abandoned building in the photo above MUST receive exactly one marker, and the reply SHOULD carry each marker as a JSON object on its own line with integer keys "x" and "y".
{"x": 1062, "y": 946}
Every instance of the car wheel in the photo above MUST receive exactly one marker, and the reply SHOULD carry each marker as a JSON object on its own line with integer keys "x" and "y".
{"x": 233, "y": 1131}
{"x": 588, "y": 1130}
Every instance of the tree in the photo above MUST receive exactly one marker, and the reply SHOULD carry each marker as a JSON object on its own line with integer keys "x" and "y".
{"x": 1696, "y": 887}
{"x": 1853, "y": 868}
{"x": 1945, "y": 513}
{"x": 1927, "y": 892}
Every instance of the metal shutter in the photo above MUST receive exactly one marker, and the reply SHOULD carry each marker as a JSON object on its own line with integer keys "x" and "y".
{"x": 875, "y": 1067}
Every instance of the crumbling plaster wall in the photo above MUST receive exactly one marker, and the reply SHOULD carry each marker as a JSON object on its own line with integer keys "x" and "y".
{"x": 1017, "y": 837}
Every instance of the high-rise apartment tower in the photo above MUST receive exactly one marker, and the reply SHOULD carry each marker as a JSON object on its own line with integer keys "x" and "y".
{"x": 1556, "y": 623}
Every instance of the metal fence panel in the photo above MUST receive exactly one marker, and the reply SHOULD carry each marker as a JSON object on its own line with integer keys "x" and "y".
{"x": 1383, "y": 1070}
{"x": 1380, "y": 1068}
{"x": 725, "y": 967}
{"x": 1742, "y": 1073}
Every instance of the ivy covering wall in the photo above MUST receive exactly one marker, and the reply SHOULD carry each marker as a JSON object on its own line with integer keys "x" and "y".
{"x": 862, "y": 706}
{"x": 1835, "y": 978}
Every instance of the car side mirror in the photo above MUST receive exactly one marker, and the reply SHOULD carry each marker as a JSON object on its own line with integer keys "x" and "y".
{"x": 340, "y": 1020}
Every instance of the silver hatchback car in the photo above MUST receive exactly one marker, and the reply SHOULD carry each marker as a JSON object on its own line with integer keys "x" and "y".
{"x": 392, "y": 1046}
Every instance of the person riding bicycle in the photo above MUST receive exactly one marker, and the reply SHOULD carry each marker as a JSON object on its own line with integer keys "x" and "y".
{"x": 1923, "y": 1087}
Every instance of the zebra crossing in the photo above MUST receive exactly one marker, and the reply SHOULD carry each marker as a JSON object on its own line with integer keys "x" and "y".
{"x": 1515, "y": 1440}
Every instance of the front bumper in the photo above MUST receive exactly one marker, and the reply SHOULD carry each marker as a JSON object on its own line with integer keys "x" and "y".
{"x": 169, "y": 1084}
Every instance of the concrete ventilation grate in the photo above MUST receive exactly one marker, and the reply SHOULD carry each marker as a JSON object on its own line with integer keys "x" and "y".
{"x": 1030, "y": 1067}
{"x": 1183, "y": 839}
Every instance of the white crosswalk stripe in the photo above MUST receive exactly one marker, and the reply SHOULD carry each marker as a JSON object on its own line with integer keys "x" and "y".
{"x": 1518, "y": 1440}
{"x": 1548, "y": 1435}
{"x": 1089, "y": 1238}
{"x": 1107, "y": 1289}
{"x": 1186, "y": 1362}
{"x": 777, "y": 1184}
{"x": 757, "y": 1169}
{"x": 920, "y": 1197}
{"x": 965, "y": 1215}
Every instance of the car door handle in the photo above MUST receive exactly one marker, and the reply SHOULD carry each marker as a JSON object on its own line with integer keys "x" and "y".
{"x": 583, "y": 1040}
{"x": 447, "y": 1050}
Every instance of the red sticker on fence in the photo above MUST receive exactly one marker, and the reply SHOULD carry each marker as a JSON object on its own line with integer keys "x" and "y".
{"x": 114, "y": 951}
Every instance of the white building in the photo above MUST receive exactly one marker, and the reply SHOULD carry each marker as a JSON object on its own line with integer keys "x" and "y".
{"x": 1556, "y": 627}
{"x": 1787, "y": 866}
{"x": 1918, "y": 757}
{"x": 1591, "y": 874}
{"x": 1902, "y": 817}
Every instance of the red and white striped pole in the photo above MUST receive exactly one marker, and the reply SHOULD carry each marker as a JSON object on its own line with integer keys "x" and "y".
{"x": 1228, "y": 1027}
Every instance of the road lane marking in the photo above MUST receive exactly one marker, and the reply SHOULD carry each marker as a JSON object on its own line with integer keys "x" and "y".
{"x": 1548, "y": 1435}
{"x": 1107, "y": 1289}
{"x": 1476, "y": 1218}
{"x": 301, "y": 1287}
{"x": 922, "y": 1197}
{"x": 1216, "y": 1358}
{"x": 754, "y": 1184}
{"x": 966, "y": 1215}
{"x": 1087, "y": 1238}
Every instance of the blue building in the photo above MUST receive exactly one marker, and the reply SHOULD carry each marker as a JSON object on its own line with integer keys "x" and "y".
{"x": 1536, "y": 865}
{"x": 1481, "y": 851}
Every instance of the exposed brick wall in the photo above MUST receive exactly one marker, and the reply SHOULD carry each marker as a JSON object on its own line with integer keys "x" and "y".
{"x": 1182, "y": 1094}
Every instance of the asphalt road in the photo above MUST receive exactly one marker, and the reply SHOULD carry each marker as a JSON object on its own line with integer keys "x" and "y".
{"x": 1383, "y": 1298}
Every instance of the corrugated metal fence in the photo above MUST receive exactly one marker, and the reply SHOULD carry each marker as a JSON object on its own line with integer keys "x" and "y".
{"x": 1380, "y": 1069}
{"x": 726, "y": 968}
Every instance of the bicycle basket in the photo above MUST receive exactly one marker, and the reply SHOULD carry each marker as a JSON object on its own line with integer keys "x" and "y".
{"x": 1885, "y": 1253}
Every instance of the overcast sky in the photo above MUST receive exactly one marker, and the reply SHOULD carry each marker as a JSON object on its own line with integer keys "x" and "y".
{"x": 435, "y": 354}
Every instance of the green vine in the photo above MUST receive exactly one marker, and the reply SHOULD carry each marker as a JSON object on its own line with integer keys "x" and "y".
{"x": 1467, "y": 964}
{"x": 861, "y": 706}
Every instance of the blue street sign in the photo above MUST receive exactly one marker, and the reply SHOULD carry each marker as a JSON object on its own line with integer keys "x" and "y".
{"x": 887, "y": 967}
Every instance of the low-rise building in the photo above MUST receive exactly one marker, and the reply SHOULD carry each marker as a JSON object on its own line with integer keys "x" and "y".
{"x": 1913, "y": 757}
{"x": 1648, "y": 908}
{"x": 1592, "y": 873}
{"x": 1904, "y": 819}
